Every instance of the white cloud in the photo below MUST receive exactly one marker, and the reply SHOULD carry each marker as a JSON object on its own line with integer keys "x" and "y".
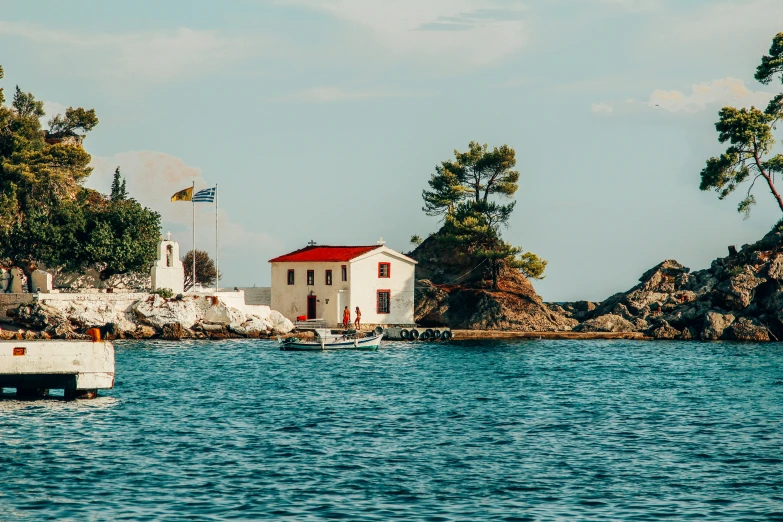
{"x": 601, "y": 108}
{"x": 140, "y": 57}
{"x": 153, "y": 177}
{"x": 725, "y": 91}
{"x": 715, "y": 94}
{"x": 336, "y": 94}
{"x": 472, "y": 32}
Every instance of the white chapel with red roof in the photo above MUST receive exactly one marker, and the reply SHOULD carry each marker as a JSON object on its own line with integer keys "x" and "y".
{"x": 319, "y": 281}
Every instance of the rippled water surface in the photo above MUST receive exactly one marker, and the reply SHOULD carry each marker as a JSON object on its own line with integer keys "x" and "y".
{"x": 526, "y": 430}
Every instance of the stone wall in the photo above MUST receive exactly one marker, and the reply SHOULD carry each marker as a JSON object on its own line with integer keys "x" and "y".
{"x": 258, "y": 295}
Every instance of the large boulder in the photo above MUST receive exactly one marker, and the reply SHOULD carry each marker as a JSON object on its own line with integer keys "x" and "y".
{"x": 744, "y": 329}
{"x": 158, "y": 312}
{"x": 665, "y": 331}
{"x": 278, "y": 323}
{"x": 90, "y": 313}
{"x": 606, "y": 323}
{"x": 715, "y": 324}
{"x": 775, "y": 268}
{"x": 739, "y": 290}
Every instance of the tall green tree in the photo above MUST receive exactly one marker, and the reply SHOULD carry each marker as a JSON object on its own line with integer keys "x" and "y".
{"x": 471, "y": 192}
{"x": 118, "y": 190}
{"x": 749, "y": 133}
{"x": 47, "y": 217}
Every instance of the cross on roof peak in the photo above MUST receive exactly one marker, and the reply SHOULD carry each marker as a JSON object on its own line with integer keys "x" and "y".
{"x": 168, "y": 236}
{"x": 380, "y": 241}
{"x": 312, "y": 243}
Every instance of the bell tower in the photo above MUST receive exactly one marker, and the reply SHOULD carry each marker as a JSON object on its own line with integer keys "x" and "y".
{"x": 168, "y": 272}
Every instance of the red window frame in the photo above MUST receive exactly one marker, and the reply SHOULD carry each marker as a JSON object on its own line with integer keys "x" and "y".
{"x": 344, "y": 270}
{"x": 328, "y": 278}
{"x": 291, "y": 277}
{"x": 388, "y": 270}
{"x": 311, "y": 278}
{"x": 378, "y": 301}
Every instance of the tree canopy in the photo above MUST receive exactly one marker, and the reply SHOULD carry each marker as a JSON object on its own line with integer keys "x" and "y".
{"x": 47, "y": 216}
{"x": 468, "y": 192}
{"x": 749, "y": 133}
{"x": 206, "y": 273}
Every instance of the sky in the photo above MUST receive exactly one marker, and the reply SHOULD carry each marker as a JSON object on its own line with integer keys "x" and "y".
{"x": 323, "y": 119}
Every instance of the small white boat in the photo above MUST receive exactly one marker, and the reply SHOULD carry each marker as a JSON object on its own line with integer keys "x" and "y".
{"x": 331, "y": 340}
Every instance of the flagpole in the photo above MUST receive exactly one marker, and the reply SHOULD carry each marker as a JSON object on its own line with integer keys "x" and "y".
{"x": 193, "y": 193}
{"x": 217, "y": 244}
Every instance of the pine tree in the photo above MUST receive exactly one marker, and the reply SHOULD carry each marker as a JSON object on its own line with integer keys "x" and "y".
{"x": 118, "y": 190}
{"x": 749, "y": 133}
{"x": 461, "y": 192}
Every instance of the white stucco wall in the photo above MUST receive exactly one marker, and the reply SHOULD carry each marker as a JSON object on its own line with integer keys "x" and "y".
{"x": 364, "y": 292}
{"x": 360, "y": 289}
{"x": 291, "y": 300}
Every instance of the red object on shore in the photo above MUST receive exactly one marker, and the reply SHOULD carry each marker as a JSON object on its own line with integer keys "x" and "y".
{"x": 301, "y": 318}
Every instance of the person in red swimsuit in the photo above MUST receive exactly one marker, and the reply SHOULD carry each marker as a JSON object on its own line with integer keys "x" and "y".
{"x": 346, "y": 317}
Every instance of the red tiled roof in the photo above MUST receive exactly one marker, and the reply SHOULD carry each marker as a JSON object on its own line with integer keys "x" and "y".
{"x": 324, "y": 253}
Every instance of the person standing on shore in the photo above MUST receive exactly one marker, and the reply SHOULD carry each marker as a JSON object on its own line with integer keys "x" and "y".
{"x": 358, "y": 321}
{"x": 346, "y": 317}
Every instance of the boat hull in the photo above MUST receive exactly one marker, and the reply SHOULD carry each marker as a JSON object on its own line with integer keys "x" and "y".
{"x": 364, "y": 343}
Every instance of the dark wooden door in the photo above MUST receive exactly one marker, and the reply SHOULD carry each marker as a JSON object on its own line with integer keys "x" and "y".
{"x": 311, "y": 307}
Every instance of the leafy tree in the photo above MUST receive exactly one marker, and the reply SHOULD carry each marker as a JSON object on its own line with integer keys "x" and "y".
{"x": 121, "y": 236}
{"x": 461, "y": 192}
{"x": 2, "y": 95}
{"x": 205, "y": 269}
{"x": 47, "y": 217}
{"x": 416, "y": 239}
{"x": 750, "y": 138}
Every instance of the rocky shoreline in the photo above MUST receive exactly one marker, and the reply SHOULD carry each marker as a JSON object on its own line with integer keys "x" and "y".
{"x": 740, "y": 297}
{"x": 151, "y": 317}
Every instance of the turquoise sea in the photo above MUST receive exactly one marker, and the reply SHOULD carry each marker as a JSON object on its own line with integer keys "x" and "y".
{"x": 529, "y": 430}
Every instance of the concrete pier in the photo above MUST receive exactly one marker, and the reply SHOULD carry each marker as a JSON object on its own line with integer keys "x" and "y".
{"x": 80, "y": 368}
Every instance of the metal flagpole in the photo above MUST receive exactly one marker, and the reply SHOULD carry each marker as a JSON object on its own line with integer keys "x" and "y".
{"x": 193, "y": 193}
{"x": 217, "y": 243}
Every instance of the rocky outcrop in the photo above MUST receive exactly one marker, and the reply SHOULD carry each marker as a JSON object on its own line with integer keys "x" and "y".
{"x": 740, "y": 297}
{"x": 185, "y": 317}
{"x": 514, "y": 306}
{"x": 44, "y": 319}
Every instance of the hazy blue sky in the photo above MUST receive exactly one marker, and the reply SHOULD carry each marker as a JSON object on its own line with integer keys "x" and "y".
{"x": 324, "y": 119}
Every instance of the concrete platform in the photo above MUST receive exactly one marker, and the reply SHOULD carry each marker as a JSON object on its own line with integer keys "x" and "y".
{"x": 80, "y": 368}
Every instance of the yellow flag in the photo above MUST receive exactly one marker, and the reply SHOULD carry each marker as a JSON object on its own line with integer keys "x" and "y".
{"x": 183, "y": 195}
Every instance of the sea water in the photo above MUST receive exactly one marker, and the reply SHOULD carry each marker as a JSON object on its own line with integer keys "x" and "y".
{"x": 528, "y": 430}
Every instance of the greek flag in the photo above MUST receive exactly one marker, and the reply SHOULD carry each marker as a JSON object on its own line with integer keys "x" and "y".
{"x": 205, "y": 196}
